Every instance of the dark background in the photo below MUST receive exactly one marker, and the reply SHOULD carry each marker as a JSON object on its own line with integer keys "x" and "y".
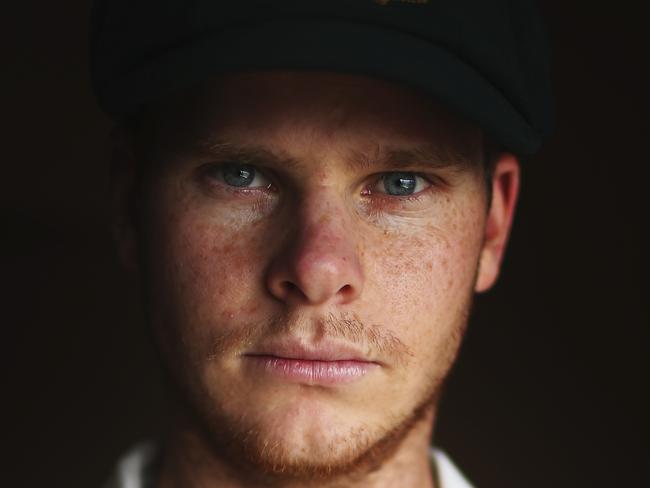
{"x": 550, "y": 387}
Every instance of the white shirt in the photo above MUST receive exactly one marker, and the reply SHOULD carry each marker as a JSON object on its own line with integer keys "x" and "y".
{"x": 134, "y": 468}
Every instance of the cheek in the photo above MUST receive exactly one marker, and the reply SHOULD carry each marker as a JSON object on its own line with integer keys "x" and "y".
{"x": 424, "y": 280}
{"x": 203, "y": 269}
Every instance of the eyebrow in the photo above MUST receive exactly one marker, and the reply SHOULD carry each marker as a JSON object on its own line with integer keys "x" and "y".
{"x": 248, "y": 154}
{"x": 431, "y": 156}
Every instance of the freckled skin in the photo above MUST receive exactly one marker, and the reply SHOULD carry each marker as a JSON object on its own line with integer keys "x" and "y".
{"x": 224, "y": 271}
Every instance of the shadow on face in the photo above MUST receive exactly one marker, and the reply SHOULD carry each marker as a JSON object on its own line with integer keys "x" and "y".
{"x": 328, "y": 216}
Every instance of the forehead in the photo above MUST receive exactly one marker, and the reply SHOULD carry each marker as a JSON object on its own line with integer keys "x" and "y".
{"x": 307, "y": 108}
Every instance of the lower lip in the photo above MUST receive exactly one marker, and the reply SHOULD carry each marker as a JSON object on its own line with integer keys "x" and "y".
{"x": 313, "y": 372}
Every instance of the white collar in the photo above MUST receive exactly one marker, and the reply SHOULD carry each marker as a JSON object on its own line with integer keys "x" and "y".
{"x": 448, "y": 474}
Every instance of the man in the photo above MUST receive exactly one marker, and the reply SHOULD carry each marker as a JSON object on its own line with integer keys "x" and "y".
{"x": 310, "y": 193}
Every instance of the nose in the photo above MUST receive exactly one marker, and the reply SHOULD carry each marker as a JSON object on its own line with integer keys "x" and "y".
{"x": 319, "y": 263}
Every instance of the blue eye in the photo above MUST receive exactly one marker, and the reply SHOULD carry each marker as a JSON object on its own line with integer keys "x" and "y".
{"x": 238, "y": 175}
{"x": 400, "y": 183}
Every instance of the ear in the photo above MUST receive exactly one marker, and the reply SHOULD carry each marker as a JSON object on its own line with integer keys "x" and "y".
{"x": 505, "y": 188}
{"x": 123, "y": 191}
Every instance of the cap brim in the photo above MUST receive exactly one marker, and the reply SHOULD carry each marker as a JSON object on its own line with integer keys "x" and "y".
{"x": 326, "y": 45}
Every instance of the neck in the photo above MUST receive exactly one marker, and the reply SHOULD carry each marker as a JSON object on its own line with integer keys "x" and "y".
{"x": 189, "y": 461}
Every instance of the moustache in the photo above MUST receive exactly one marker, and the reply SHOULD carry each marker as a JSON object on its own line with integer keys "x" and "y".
{"x": 375, "y": 339}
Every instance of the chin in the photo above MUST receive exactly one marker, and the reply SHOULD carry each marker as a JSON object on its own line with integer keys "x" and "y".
{"x": 304, "y": 435}
{"x": 306, "y": 439}
{"x": 312, "y": 448}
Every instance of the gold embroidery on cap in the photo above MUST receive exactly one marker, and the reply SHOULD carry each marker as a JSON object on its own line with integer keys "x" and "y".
{"x": 385, "y": 2}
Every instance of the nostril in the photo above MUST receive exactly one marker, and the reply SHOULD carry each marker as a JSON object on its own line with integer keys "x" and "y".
{"x": 314, "y": 278}
{"x": 291, "y": 288}
{"x": 345, "y": 290}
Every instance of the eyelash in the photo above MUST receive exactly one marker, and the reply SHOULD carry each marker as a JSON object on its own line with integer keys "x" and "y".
{"x": 433, "y": 184}
{"x": 204, "y": 177}
{"x": 408, "y": 198}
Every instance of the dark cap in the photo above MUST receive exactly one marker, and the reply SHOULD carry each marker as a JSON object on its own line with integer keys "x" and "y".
{"x": 485, "y": 59}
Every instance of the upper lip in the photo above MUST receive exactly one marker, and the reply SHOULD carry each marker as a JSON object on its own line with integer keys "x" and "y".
{"x": 322, "y": 351}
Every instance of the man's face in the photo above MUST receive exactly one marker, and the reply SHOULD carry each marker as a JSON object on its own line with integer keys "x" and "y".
{"x": 309, "y": 245}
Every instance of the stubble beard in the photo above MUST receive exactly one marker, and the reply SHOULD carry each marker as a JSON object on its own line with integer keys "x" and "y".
{"x": 242, "y": 447}
{"x": 360, "y": 451}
